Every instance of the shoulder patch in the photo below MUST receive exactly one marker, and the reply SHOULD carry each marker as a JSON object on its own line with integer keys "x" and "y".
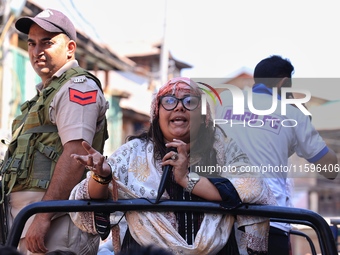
{"x": 78, "y": 79}
{"x": 83, "y": 98}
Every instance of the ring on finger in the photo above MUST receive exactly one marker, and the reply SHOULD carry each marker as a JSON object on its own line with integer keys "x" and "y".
{"x": 174, "y": 156}
{"x": 90, "y": 168}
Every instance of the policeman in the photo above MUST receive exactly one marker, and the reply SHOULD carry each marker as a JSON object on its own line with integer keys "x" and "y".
{"x": 69, "y": 108}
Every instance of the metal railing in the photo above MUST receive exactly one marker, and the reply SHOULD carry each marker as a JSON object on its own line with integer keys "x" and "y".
{"x": 308, "y": 239}
{"x": 275, "y": 213}
{"x": 335, "y": 230}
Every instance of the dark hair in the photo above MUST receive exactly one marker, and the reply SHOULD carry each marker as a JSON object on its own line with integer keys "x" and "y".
{"x": 203, "y": 146}
{"x": 146, "y": 250}
{"x": 270, "y": 71}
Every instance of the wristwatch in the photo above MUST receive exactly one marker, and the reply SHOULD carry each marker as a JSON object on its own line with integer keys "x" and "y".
{"x": 193, "y": 179}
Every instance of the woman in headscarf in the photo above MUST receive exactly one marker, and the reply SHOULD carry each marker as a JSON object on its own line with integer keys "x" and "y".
{"x": 136, "y": 167}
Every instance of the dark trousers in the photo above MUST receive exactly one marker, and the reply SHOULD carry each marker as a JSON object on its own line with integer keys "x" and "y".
{"x": 279, "y": 242}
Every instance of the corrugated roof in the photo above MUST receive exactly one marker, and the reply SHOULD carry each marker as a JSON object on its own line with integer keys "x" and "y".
{"x": 325, "y": 116}
{"x": 84, "y": 29}
{"x": 68, "y": 8}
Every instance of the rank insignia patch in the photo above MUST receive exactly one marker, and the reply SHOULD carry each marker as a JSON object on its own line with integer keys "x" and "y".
{"x": 83, "y": 98}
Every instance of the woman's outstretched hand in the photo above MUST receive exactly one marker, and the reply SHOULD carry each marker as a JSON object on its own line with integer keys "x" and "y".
{"x": 93, "y": 161}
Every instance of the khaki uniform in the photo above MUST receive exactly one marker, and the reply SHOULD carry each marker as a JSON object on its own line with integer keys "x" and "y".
{"x": 73, "y": 110}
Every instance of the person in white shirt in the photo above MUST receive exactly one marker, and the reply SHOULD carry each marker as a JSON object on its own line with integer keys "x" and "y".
{"x": 269, "y": 140}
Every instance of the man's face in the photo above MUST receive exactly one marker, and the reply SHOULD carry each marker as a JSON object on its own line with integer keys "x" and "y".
{"x": 48, "y": 52}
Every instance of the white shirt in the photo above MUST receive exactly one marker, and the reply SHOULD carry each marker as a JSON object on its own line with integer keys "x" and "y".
{"x": 269, "y": 140}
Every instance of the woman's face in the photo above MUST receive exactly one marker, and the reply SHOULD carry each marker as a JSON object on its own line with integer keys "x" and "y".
{"x": 180, "y": 123}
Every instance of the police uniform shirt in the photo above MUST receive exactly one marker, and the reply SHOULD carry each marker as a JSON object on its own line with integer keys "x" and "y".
{"x": 78, "y": 108}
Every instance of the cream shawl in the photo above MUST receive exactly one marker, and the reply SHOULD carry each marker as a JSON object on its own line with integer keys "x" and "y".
{"x": 138, "y": 177}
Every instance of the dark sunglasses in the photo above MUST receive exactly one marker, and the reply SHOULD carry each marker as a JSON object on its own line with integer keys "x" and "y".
{"x": 189, "y": 102}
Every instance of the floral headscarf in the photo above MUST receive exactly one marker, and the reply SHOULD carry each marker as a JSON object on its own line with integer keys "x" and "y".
{"x": 170, "y": 88}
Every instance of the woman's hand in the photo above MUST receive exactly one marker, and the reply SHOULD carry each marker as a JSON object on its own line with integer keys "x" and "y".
{"x": 204, "y": 188}
{"x": 94, "y": 161}
{"x": 179, "y": 160}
